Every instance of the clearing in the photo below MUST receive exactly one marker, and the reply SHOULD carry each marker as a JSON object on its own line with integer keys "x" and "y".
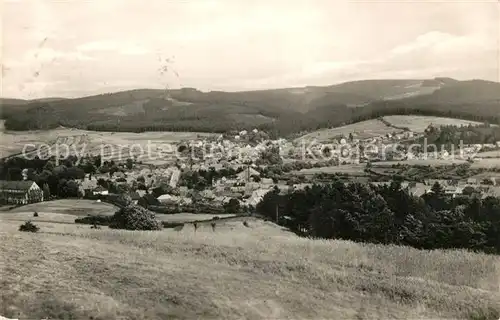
{"x": 67, "y": 210}
{"x": 420, "y": 123}
{"x": 376, "y": 128}
{"x": 360, "y": 130}
{"x": 486, "y": 163}
{"x": 256, "y": 272}
{"x": 58, "y": 211}
{"x": 352, "y": 169}
{"x": 420, "y": 162}
{"x": 111, "y": 145}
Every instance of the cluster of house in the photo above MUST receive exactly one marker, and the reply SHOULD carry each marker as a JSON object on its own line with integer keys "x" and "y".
{"x": 453, "y": 188}
{"x": 246, "y": 186}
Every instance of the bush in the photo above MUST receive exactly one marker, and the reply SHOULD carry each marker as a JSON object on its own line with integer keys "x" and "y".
{"x": 28, "y": 226}
{"x": 135, "y": 217}
{"x": 95, "y": 220}
{"x": 167, "y": 224}
{"x": 35, "y": 214}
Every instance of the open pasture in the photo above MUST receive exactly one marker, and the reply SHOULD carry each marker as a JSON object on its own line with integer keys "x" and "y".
{"x": 360, "y": 130}
{"x": 67, "y": 210}
{"x": 75, "y": 207}
{"x": 420, "y": 123}
{"x": 111, "y": 145}
{"x": 486, "y": 163}
{"x": 420, "y": 162}
{"x": 353, "y": 169}
{"x": 190, "y": 217}
{"x": 489, "y": 154}
{"x": 256, "y": 272}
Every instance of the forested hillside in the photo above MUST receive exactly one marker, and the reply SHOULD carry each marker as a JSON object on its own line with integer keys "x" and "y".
{"x": 281, "y": 111}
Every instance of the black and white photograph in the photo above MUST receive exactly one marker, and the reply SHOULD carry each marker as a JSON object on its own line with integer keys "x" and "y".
{"x": 249, "y": 159}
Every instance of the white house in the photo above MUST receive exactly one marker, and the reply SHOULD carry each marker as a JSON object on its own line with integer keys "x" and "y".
{"x": 100, "y": 190}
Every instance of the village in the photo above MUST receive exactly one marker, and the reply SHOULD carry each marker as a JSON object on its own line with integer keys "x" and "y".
{"x": 242, "y": 167}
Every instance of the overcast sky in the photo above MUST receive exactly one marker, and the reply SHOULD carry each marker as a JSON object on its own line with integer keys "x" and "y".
{"x": 75, "y": 48}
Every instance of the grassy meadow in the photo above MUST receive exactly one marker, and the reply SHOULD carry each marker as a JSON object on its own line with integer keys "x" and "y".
{"x": 352, "y": 169}
{"x": 109, "y": 144}
{"x": 420, "y": 123}
{"x": 258, "y": 271}
{"x": 360, "y": 130}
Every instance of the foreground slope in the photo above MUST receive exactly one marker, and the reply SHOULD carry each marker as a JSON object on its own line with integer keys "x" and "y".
{"x": 256, "y": 272}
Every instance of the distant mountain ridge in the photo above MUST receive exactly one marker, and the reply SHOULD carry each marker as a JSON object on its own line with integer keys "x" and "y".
{"x": 285, "y": 111}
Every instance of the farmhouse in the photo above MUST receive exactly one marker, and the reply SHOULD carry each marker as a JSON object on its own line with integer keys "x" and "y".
{"x": 247, "y": 174}
{"x": 20, "y": 192}
{"x": 100, "y": 190}
{"x": 453, "y": 191}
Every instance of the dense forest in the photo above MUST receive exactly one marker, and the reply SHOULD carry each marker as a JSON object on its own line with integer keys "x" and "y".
{"x": 388, "y": 214}
{"x": 451, "y": 135}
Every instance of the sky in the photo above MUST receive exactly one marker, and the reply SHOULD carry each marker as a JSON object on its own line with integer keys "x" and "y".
{"x": 63, "y": 48}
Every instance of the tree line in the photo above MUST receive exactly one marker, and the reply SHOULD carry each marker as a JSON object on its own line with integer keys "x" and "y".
{"x": 388, "y": 214}
{"x": 278, "y": 122}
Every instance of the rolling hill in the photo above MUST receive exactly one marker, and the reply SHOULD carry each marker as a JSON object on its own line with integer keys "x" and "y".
{"x": 283, "y": 111}
{"x": 259, "y": 271}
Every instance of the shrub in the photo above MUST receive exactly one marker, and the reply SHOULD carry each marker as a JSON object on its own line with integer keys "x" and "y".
{"x": 135, "y": 217}
{"x": 94, "y": 220}
{"x": 167, "y": 224}
{"x": 35, "y": 214}
{"x": 28, "y": 226}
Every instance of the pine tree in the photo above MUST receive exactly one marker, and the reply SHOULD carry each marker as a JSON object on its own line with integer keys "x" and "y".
{"x": 46, "y": 191}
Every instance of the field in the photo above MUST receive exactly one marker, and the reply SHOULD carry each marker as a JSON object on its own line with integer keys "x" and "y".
{"x": 67, "y": 210}
{"x": 489, "y": 154}
{"x": 109, "y": 144}
{"x": 353, "y": 169}
{"x": 487, "y": 163}
{"x": 360, "y": 130}
{"x": 420, "y": 123}
{"x": 376, "y": 128}
{"x": 58, "y": 211}
{"x": 257, "y": 272}
{"x": 420, "y": 162}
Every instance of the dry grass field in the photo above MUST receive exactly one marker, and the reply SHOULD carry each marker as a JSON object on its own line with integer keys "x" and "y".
{"x": 360, "y": 130}
{"x": 420, "y": 123}
{"x": 58, "y": 211}
{"x": 487, "y": 163}
{"x": 109, "y": 144}
{"x": 353, "y": 169}
{"x": 420, "y": 162}
{"x": 189, "y": 217}
{"x": 258, "y": 272}
{"x": 489, "y": 154}
{"x": 67, "y": 210}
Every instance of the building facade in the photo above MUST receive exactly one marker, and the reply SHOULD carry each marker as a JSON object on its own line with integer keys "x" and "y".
{"x": 20, "y": 192}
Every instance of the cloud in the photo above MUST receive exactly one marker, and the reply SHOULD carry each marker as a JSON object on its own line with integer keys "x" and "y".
{"x": 121, "y": 48}
{"x": 133, "y": 50}
{"x": 97, "y": 46}
{"x": 50, "y": 55}
{"x": 436, "y": 42}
